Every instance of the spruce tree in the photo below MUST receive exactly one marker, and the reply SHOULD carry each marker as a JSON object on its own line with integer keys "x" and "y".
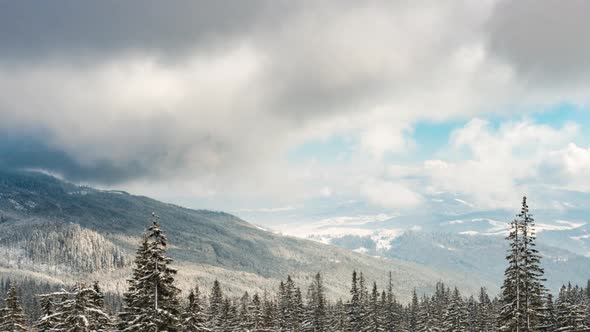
{"x": 373, "y": 321}
{"x": 216, "y": 306}
{"x": 413, "y": 312}
{"x": 152, "y": 299}
{"x": 49, "y": 319}
{"x": 355, "y": 306}
{"x": 317, "y": 305}
{"x": 13, "y": 319}
{"x": 455, "y": 318}
{"x": 522, "y": 291}
{"x": 195, "y": 319}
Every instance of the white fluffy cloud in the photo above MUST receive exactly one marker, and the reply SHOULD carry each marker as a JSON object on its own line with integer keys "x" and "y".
{"x": 213, "y": 100}
{"x": 495, "y": 166}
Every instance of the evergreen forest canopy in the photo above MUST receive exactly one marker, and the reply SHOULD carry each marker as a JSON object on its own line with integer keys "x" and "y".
{"x": 153, "y": 302}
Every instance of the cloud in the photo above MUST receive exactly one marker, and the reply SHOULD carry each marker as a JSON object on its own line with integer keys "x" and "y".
{"x": 30, "y": 30}
{"x": 212, "y": 96}
{"x": 494, "y": 166}
{"x": 391, "y": 195}
{"x": 568, "y": 168}
{"x": 543, "y": 40}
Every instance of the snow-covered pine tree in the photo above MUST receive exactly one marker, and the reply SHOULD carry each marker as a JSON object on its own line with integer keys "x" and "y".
{"x": 99, "y": 320}
{"x": 152, "y": 299}
{"x": 269, "y": 314}
{"x": 316, "y": 306}
{"x": 570, "y": 310}
{"x": 216, "y": 306}
{"x": 284, "y": 311}
{"x": 13, "y": 318}
{"x": 354, "y": 310}
{"x": 548, "y": 321}
{"x": 299, "y": 310}
{"x": 133, "y": 312}
{"x": 472, "y": 314}
{"x": 511, "y": 315}
{"x": 533, "y": 272}
{"x": 256, "y": 311}
{"x": 229, "y": 321}
{"x": 485, "y": 319}
{"x": 522, "y": 291}
{"x": 455, "y": 317}
{"x": 413, "y": 312}
{"x": 195, "y": 318}
{"x": 373, "y": 321}
{"x": 245, "y": 315}
{"x": 423, "y": 316}
{"x": 338, "y": 317}
{"x": 390, "y": 310}
{"x": 49, "y": 319}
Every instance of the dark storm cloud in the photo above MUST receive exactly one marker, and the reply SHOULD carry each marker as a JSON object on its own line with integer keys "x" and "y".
{"x": 30, "y": 28}
{"x": 543, "y": 39}
{"x": 18, "y": 151}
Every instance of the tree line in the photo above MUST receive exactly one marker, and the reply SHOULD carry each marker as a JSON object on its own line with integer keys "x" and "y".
{"x": 153, "y": 302}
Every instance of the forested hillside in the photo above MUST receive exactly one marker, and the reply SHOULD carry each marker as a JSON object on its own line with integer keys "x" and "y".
{"x": 153, "y": 302}
{"x": 53, "y": 231}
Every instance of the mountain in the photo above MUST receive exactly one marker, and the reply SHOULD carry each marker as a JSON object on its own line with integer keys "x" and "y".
{"x": 58, "y": 232}
{"x": 471, "y": 242}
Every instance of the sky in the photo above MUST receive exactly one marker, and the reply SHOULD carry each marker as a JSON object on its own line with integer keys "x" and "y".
{"x": 298, "y": 110}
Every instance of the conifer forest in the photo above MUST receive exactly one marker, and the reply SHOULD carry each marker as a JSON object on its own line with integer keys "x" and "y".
{"x": 154, "y": 303}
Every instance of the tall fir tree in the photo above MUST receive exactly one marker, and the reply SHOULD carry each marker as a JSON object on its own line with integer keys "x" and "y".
{"x": 195, "y": 318}
{"x": 216, "y": 306}
{"x": 317, "y": 305}
{"x": 355, "y": 305}
{"x": 151, "y": 302}
{"x": 455, "y": 317}
{"x": 13, "y": 319}
{"x": 522, "y": 291}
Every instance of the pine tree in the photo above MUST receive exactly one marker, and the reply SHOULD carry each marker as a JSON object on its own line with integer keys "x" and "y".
{"x": 195, "y": 319}
{"x": 413, "y": 312}
{"x": 245, "y": 315}
{"x": 152, "y": 299}
{"x": 99, "y": 321}
{"x": 216, "y": 306}
{"x": 338, "y": 320}
{"x": 257, "y": 312}
{"x": 49, "y": 319}
{"x": 485, "y": 319}
{"x": 13, "y": 319}
{"x": 455, "y": 318}
{"x": 373, "y": 321}
{"x": 317, "y": 305}
{"x": 390, "y": 310}
{"x": 354, "y": 312}
{"x": 522, "y": 291}
{"x": 548, "y": 321}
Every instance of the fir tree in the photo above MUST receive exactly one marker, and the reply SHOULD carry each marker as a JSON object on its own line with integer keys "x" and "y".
{"x": 455, "y": 318}
{"x": 151, "y": 300}
{"x": 216, "y": 306}
{"x": 195, "y": 319}
{"x": 49, "y": 319}
{"x": 522, "y": 291}
{"x": 317, "y": 305}
{"x": 413, "y": 312}
{"x": 355, "y": 306}
{"x": 13, "y": 318}
{"x": 373, "y": 321}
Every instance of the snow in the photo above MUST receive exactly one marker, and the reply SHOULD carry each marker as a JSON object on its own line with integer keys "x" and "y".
{"x": 361, "y": 250}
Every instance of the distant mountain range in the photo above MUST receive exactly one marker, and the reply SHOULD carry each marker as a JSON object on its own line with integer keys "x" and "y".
{"x": 466, "y": 242}
{"x": 58, "y": 232}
